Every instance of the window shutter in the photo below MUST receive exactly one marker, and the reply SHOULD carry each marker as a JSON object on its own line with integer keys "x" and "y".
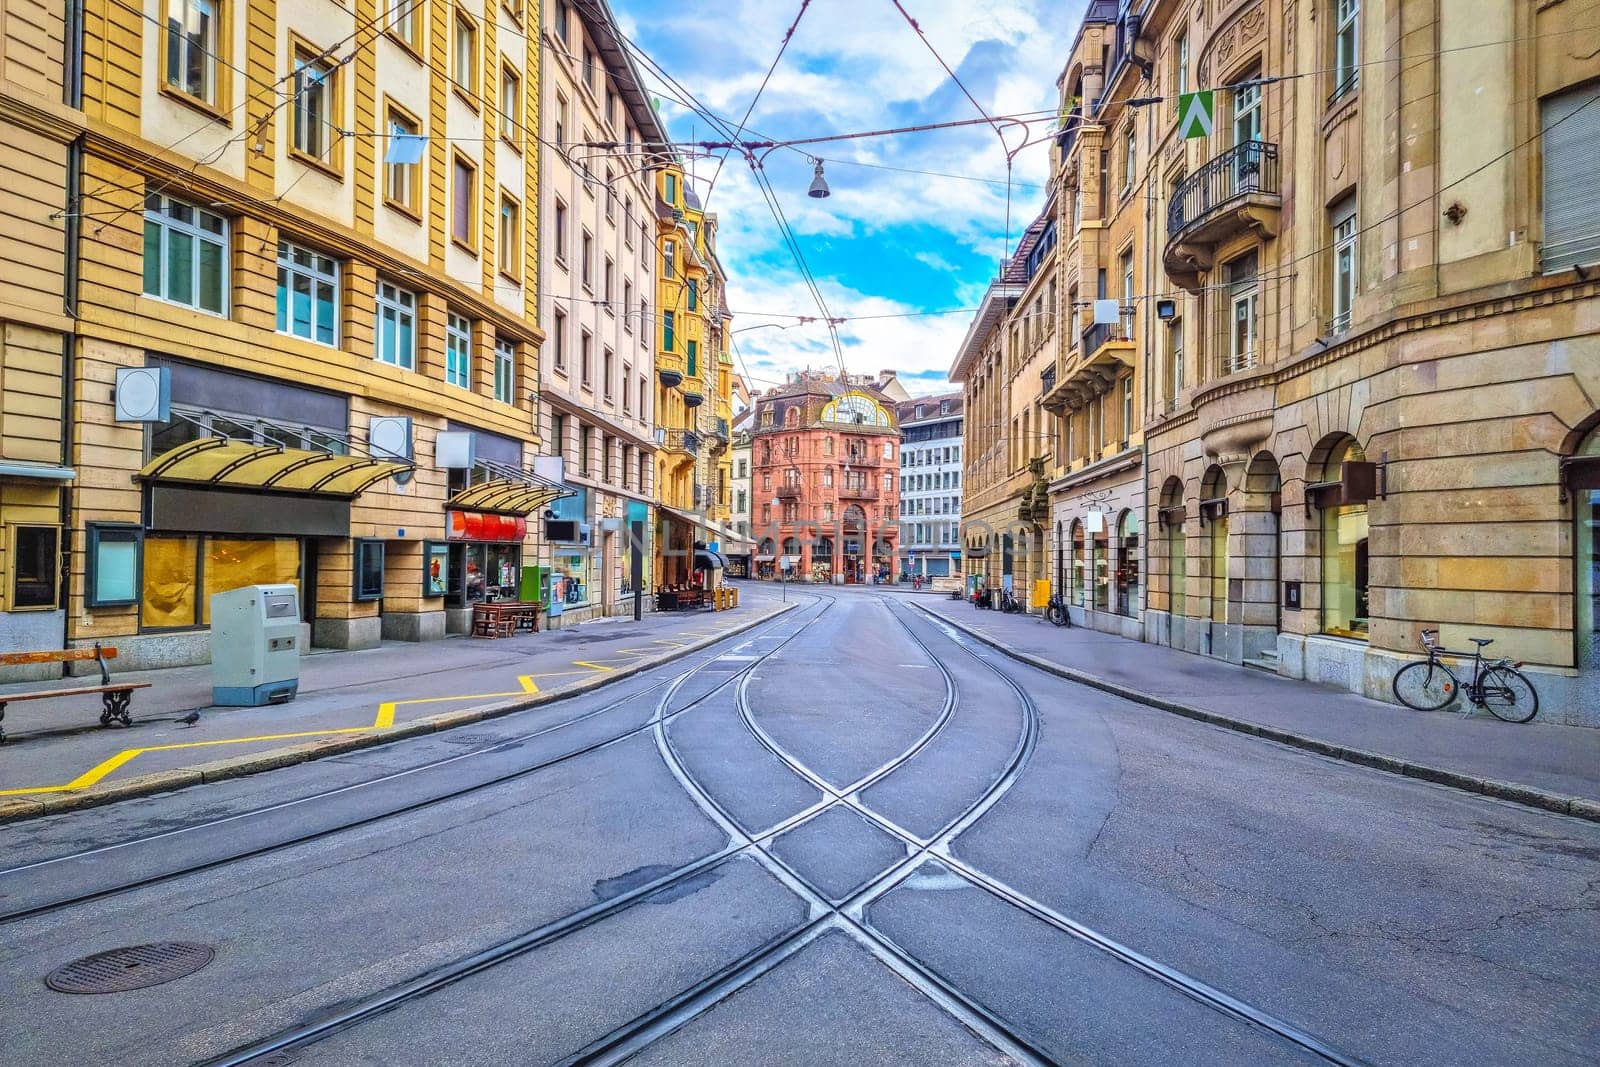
{"x": 1571, "y": 121}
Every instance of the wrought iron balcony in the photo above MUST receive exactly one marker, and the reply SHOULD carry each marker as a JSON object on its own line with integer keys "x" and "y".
{"x": 788, "y": 491}
{"x": 1238, "y": 190}
{"x": 1047, "y": 379}
{"x": 857, "y": 492}
{"x": 686, "y": 442}
{"x": 860, "y": 459}
{"x": 719, "y": 430}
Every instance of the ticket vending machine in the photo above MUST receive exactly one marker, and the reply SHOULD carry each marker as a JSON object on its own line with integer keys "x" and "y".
{"x": 255, "y": 645}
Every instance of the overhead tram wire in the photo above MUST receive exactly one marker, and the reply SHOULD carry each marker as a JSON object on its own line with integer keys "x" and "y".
{"x": 792, "y": 241}
{"x": 744, "y": 122}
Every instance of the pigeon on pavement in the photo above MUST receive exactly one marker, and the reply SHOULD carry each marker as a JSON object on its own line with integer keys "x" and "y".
{"x": 190, "y": 719}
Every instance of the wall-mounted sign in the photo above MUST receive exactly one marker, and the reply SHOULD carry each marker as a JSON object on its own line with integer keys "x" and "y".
{"x": 478, "y": 526}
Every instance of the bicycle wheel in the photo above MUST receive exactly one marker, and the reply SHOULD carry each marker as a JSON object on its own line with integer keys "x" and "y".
{"x": 1424, "y": 686}
{"x": 1056, "y": 614}
{"x": 1509, "y": 694}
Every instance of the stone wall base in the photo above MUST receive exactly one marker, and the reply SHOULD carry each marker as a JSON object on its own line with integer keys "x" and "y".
{"x": 348, "y": 633}
{"x": 32, "y": 631}
{"x": 414, "y": 626}
{"x": 457, "y": 620}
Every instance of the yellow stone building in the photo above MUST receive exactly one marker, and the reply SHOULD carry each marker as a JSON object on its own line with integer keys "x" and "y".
{"x": 1362, "y": 366}
{"x": 39, "y": 125}
{"x": 694, "y": 375}
{"x": 306, "y": 347}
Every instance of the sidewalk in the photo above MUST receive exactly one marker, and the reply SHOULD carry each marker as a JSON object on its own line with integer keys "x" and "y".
{"x": 57, "y": 755}
{"x": 1547, "y": 766}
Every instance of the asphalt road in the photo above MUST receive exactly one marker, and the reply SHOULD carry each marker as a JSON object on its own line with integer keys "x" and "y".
{"x": 849, "y": 836}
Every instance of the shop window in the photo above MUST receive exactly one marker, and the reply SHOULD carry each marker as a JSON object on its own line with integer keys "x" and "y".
{"x": 181, "y": 572}
{"x": 113, "y": 565}
{"x": 308, "y": 293}
{"x": 1100, "y": 563}
{"x": 1077, "y": 563}
{"x": 1177, "y": 568}
{"x": 1128, "y": 564}
{"x": 170, "y": 596}
{"x": 368, "y": 570}
{"x": 1344, "y": 555}
{"x": 35, "y": 567}
{"x": 185, "y": 254}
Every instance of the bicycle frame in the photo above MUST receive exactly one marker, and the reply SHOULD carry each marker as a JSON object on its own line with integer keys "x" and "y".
{"x": 1474, "y": 689}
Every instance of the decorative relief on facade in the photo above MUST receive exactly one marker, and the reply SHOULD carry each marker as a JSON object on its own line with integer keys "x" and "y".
{"x": 1243, "y": 32}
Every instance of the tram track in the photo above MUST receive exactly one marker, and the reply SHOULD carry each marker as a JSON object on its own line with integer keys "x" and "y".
{"x": 313, "y": 800}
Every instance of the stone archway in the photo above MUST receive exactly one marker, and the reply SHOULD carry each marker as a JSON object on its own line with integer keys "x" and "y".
{"x": 1215, "y": 560}
{"x": 1260, "y": 560}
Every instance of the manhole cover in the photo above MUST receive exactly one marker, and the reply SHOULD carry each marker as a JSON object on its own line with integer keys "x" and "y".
{"x": 135, "y": 967}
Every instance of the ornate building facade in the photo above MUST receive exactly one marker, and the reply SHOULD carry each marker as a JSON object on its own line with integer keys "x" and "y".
{"x": 1363, "y": 366}
{"x": 825, "y": 463}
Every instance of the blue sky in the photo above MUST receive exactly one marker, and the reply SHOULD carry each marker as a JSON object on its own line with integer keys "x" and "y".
{"x": 886, "y": 242}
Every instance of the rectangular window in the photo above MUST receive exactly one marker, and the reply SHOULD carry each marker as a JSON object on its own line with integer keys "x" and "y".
{"x": 505, "y": 371}
{"x": 558, "y": 434}
{"x": 1246, "y": 113}
{"x": 669, "y": 183}
{"x": 1346, "y": 47}
{"x": 694, "y": 358}
{"x": 193, "y": 45}
{"x": 458, "y": 350}
{"x": 611, "y": 194}
{"x": 308, "y": 294}
{"x": 694, "y": 295}
{"x": 668, "y": 340}
{"x": 1130, "y": 157}
{"x": 315, "y": 117}
{"x": 1244, "y": 300}
{"x": 561, "y": 122}
{"x": 627, "y": 221}
{"x": 586, "y": 357}
{"x": 369, "y": 570}
{"x": 1174, "y": 376}
{"x": 588, "y": 68}
{"x": 114, "y": 552}
{"x": 627, "y": 304}
{"x": 586, "y": 262}
{"x": 464, "y": 53}
{"x": 607, "y": 363}
{"x": 402, "y": 181}
{"x": 607, "y": 285}
{"x": 563, "y": 19}
{"x": 558, "y": 234}
{"x": 405, "y": 22}
{"x": 1180, "y": 79}
{"x": 508, "y": 243}
{"x": 1344, "y": 263}
{"x": 185, "y": 254}
{"x": 35, "y": 567}
{"x": 558, "y": 340}
{"x": 627, "y": 387}
{"x": 510, "y": 102}
{"x": 669, "y": 259}
{"x": 1127, "y": 409}
{"x": 397, "y": 326}
{"x": 1571, "y": 127}
{"x": 464, "y": 202}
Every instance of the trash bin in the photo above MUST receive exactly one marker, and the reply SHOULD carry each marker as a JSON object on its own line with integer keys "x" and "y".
{"x": 255, "y": 645}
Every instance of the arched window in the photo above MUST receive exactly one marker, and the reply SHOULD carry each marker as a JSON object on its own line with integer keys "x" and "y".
{"x": 1172, "y": 514}
{"x": 827, "y": 445}
{"x": 1077, "y": 562}
{"x": 1586, "y": 552}
{"x": 791, "y": 417}
{"x": 1099, "y": 562}
{"x": 1214, "y": 514}
{"x": 1344, "y": 553}
{"x": 1128, "y": 563}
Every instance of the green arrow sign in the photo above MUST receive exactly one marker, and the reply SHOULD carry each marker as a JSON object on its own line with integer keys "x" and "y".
{"x": 1197, "y": 114}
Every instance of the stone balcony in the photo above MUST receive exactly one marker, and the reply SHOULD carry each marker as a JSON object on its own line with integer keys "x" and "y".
{"x": 1237, "y": 191}
{"x": 1106, "y": 350}
{"x": 857, "y": 492}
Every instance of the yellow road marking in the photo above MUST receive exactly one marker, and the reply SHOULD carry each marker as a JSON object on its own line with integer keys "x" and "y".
{"x": 593, "y": 666}
{"x": 98, "y": 772}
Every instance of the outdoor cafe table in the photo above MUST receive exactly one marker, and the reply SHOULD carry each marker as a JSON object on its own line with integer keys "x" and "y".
{"x": 503, "y": 618}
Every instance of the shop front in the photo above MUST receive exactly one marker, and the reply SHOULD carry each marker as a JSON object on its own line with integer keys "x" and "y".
{"x": 1096, "y": 522}
{"x": 575, "y": 564}
{"x": 481, "y": 557}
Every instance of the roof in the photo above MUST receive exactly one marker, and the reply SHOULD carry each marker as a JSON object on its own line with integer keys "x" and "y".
{"x": 601, "y": 24}
{"x": 930, "y": 405}
{"x": 996, "y": 302}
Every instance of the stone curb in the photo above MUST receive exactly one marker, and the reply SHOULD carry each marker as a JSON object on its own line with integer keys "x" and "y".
{"x": 1516, "y": 793}
{"x": 17, "y": 809}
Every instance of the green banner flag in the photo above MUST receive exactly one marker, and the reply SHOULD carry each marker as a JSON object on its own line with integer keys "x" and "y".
{"x": 1197, "y": 114}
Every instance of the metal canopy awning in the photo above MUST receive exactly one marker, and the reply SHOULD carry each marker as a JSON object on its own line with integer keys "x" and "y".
{"x": 730, "y": 539}
{"x": 225, "y": 463}
{"x": 511, "y": 490}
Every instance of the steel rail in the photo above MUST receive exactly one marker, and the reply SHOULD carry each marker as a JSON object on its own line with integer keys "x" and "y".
{"x": 131, "y": 885}
{"x": 366, "y": 1008}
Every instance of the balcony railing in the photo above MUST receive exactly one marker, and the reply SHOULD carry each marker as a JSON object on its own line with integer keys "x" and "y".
{"x": 1234, "y": 362}
{"x": 1243, "y": 170}
{"x": 686, "y": 441}
{"x": 1103, "y": 332}
{"x": 860, "y": 459}
{"x": 788, "y": 491}
{"x": 719, "y": 430}
{"x": 1047, "y": 379}
{"x": 857, "y": 492}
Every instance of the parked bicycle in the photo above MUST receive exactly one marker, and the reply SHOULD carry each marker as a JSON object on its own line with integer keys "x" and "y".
{"x": 1495, "y": 684}
{"x": 1009, "y": 604}
{"x": 1056, "y": 611}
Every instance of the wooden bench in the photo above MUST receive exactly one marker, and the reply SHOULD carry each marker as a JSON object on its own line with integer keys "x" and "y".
{"x": 114, "y": 696}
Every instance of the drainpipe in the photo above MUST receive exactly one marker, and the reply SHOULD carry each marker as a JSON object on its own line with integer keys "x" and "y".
{"x": 72, "y": 231}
